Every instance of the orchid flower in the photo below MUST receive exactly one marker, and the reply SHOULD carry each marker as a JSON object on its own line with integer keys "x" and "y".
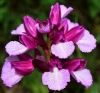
{"x": 15, "y": 68}
{"x": 72, "y": 34}
{"x": 57, "y": 73}
{"x": 29, "y": 38}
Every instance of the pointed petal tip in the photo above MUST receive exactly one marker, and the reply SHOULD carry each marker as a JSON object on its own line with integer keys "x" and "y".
{"x": 65, "y": 11}
{"x": 19, "y": 31}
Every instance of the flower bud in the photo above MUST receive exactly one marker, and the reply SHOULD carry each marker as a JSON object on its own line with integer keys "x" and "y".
{"x": 30, "y": 26}
{"x": 55, "y": 14}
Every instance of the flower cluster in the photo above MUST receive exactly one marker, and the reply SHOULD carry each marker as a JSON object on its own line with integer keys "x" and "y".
{"x": 61, "y": 35}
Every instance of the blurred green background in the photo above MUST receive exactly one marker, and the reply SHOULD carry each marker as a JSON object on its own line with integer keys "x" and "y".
{"x": 86, "y": 13}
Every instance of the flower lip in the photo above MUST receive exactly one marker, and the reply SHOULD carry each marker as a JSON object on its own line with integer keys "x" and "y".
{"x": 30, "y": 25}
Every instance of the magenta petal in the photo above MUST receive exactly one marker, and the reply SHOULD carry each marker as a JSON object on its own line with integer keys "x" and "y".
{"x": 29, "y": 41}
{"x": 23, "y": 67}
{"x": 25, "y": 56}
{"x": 65, "y": 11}
{"x": 63, "y": 50}
{"x": 56, "y": 80}
{"x": 15, "y": 48}
{"x": 82, "y": 64}
{"x": 83, "y": 76}
{"x": 63, "y": 25}
{"x": 41, "y": 65}
{"x": 74, "y": 34}
{"x": 71, "y": 64}
{"x": 9, "y": 76}
{"x": 55, "y": 14}
{"x": 30, "y": 25}
{"x": 74, "y": 64}
{"x": 19, "y": 31}
{"x": 87, "y": 43}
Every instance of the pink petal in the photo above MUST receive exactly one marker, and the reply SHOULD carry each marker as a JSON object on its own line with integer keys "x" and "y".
{"x": 12, "y": 58}
{"x": 87, "y": 43}
{"x": 56, "y": 80}
{"x": 19, "y": 31}
{"x": 29, "y": 41}
{"x": 15, "y": 48}
{"x": 71, "y": 24}
{"x": 23, "y": 67}
{"x": 29, "y": 23}
{"x": 63, "y": 50}
{"x": 45, "y": 29}
{"x": 83, "y": 76}
{"x": 65, "y": 11}
{"x": 9, "y": 76}
{"x": 55, "y": 14}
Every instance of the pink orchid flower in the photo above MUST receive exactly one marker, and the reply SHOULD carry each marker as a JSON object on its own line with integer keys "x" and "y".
{"x": 56, "y": 74}
{"x": 68, "y": 34}
{"x": 15, "y": 68}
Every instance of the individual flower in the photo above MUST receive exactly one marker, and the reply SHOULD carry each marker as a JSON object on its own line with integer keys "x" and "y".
{"x": 78, "y": 72}
{"x": 28, "y": 36}
{"x": 72, "y": 34}
{"x": 56, "y": 74}
{"x": 15, "y": 67}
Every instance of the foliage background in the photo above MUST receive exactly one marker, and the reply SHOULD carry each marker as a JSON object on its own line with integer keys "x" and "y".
{"x": 86, "y": 13}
